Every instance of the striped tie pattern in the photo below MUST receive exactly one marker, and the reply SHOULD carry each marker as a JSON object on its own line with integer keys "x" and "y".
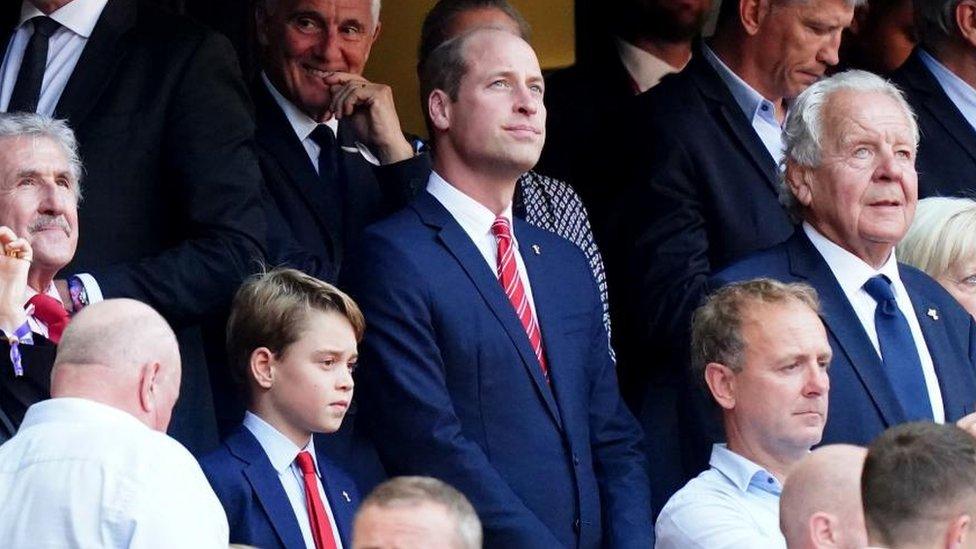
{"x": 512, "y": 284}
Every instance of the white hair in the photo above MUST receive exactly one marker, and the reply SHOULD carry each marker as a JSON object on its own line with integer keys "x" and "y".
{"x": 374, "y": 8}
{"x": 942, "y": 235}
{"x": 803, "y": 131}
{"x": 28, "y": 124}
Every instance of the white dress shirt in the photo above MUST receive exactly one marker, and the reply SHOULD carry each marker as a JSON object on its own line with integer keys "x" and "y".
{"x": 476, "y": 221}
{"x": 303, "y": 125}
{"x": 852, "y": 273}
{"x": 645, "y": 68}
{"x": 760, "y": 111}
{"x": 77, "y": 19}
{"x": 84, "y": 474}
{"x": 282, "y": 453}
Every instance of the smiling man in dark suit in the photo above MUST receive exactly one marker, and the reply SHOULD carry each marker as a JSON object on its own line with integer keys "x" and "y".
{"x": 939, "y": 79}
{"x": 904, "y": 349}
{"x": 329, "y": 141}
{"x": 485, "y": 359}
{"x": 172, "y": 214}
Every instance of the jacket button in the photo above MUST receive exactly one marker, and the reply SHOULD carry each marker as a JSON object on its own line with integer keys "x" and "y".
{"x": 576, "y": 460}
{"x": 576, "y": 526}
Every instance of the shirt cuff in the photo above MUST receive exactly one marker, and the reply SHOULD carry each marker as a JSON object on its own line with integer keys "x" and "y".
{"x": 92, "y": 288}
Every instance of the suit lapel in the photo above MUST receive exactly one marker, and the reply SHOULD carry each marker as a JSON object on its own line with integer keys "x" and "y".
{"x": 843, "y": 323}
{"x": 98, "y": 61}
{"x": 457, "y": 242}
{"x": 342, "y": 494}
{"x": 935, "y": 100}
{"x": 276, "y": 135}
{"x": 264, "y": 481}
{"x": 955, "y": 397}
{"x": 9, "y": 17}
{"x": 359, "y": 202}
{"x": 725, "y": 108}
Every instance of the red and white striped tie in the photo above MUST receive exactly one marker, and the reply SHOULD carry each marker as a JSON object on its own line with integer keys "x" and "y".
{"x": 511, "y": 282}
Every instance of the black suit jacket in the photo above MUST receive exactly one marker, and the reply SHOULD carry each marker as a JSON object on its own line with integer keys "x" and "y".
{"x": 314, "y": 233}
{"x": 172, "y": 214}
{"x": 18, "y": 393}
{"x": 703, "y": 194}
{"x": 946, "y": 158}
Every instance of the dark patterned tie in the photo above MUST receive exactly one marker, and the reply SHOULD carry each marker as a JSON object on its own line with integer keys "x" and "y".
{"x": 27, "y": 89}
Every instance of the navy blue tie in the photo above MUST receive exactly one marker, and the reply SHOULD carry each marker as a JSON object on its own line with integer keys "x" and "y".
{"x": 898, "y": 352}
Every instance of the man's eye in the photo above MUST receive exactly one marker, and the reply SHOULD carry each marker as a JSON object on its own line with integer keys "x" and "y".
{"x": 862, "y": 152}
{"x": 904, "y": 154}
{"x": 351, "y": 30}
{"x": 306, "y": 24}
{"x": 500, "y": 84}
{"x": 970, "y": 280}
{"x": 27, "y": 181}
{"x": 536, "y": 88}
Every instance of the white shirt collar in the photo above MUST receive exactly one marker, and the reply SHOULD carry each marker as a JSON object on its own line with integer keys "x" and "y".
{"x": 77, "y": 410}
{"x": 280, "y": 450}
{"x": 644, "y": 67}
{"x": 302, "y": 123}
{"x": 474, "y": 217}
{"x": 749, "y": 100}
{"x": 851, "y": 271}
{"x": 51, "y": 291}
{"x": 78, "y": 16}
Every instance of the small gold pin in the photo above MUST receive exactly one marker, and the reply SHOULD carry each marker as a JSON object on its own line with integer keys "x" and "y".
{"x": 536, "y": 249}
{"x": 933, "y": 313}
{"x": 346, "y": 495}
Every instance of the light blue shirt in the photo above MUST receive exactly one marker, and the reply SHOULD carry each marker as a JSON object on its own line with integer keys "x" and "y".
{"x": 962, "y": 95}
{"x": 282, "y": 453}
{"x": 760, "y": 111}
{"x": 733, "y": 505}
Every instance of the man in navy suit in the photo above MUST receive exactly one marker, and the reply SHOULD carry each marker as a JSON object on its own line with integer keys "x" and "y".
{"x": 904, "y": 349}
{"x": 703, "y": 156}
{"x": 940, "y": 83}
{"x": 292, "y": 340}
{"x": 486, "y": 362}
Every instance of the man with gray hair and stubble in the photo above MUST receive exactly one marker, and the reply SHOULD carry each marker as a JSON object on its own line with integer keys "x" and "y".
{"x": 416, "y": 513}
{"x": 821, "y": 503}
{"x": 939, "y": 79}
{"x": 92, "y": 466}
{"x": 762, "y": 352}
{"x": 904, "y": 349}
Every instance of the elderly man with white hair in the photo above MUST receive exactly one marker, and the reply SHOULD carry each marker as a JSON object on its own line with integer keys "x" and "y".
{"x": 903, "y": 347}
{"x": 39, "y": 192}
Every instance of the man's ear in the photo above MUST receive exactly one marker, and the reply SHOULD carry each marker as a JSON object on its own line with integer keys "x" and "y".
{"x": 752, "y": 13}
{"x": 148, "y": 386}
{"x": 721, "y": 383}
{"x": 439, "y": 107}
{"x": 800, "y": 181}
{"x": 966, "y": 21}
{"x": 262, "y": 367}
{"x": 958, "y": 531}
{"x": 823, "y": 528}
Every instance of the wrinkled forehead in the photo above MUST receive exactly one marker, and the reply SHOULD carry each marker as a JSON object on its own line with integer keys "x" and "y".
{"x": 33, "y": 153}
{"x": 852, "y": 114}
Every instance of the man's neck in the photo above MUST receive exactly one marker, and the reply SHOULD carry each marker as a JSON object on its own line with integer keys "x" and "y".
{"x": 40, "y": 281}
{"x": 779, "y": 464}
{"x": 734, "y": 49}
{"x": 875, "y": 254}
{"x": 493, "y": 191}
{"x": 50, "y": 6}
{"x": 960, "y": 59}
{"x": 675, "y": 54}
{"x": 269, "y": 415}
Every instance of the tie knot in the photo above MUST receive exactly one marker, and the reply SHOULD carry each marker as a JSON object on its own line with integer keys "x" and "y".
{"x": 501, "y": 228}
{"x": 48, "y": 309}
{"x": 305, "y": 463}
{"x": 323, "y": 136}
{"x": 45, "y": 26}
{"x": 879, "y": 287}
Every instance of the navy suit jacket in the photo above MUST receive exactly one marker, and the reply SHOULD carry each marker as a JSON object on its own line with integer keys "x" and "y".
{"x": 451, "y": 387}
{"x": 862, "y": 401}
{"x": 703, "y": 193}
{"x": 307, "y": 229}
{"x": 946, "y": 158}
{"x": 258, "y": 510}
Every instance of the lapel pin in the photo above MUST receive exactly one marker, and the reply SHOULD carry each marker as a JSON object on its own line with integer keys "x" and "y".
{"x": 346, "y": 496}
{"x": 536, "y": 249}
{"x": 933, "y": 313}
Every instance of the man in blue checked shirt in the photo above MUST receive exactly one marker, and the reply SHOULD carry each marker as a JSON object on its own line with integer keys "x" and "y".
{"x": 762, "y": 352}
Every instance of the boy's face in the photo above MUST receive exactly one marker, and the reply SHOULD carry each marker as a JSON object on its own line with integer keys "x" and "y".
{"x": 312, "y": 378}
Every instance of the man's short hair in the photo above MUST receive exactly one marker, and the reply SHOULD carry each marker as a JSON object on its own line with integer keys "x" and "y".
{"x": 400, "y": 492}
{"x": 268, "y": 6}
{"x": 935, "y": 22}
{"x": 437, "y": 24}
{"x": 803, "y": 131}
{"x": 916, "y": 477}
{"x": 729, "y": 9}
{"x": 444, "y": 69}
{"x": 271, "y": 310}
{"x": 24, "y": 124}
{"x": 716, "y": 327}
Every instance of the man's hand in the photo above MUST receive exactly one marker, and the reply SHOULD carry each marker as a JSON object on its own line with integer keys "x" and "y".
{"x": 15, "y": 261}
{"x": 369, "y": 108}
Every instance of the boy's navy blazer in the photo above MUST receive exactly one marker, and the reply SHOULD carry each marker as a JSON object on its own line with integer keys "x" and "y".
{"x": 258, "y": 510}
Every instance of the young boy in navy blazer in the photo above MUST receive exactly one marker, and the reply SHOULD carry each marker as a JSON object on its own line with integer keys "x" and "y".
{"x": 292, "y": 342}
